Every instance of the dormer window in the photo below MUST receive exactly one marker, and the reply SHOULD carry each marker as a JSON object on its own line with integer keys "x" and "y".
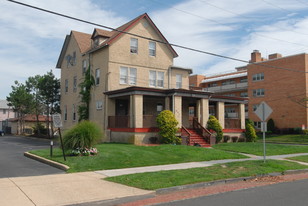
{"x": 96, "y": 41}
{"x": 134, "y": 46}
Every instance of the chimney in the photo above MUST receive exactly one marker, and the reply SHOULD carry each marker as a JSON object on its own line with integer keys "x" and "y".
{"x": 274, "y": 56}
{"x": 255, "y": 56}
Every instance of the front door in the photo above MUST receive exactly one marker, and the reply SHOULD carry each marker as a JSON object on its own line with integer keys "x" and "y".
{"x": 121, "y": 107}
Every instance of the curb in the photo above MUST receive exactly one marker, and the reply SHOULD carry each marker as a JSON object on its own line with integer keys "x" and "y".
{"x": 47, "y": 161}
{"x": 226, "y": 181}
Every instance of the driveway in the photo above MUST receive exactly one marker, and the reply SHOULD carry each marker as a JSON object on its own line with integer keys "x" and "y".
{"x": 13, "y": 163}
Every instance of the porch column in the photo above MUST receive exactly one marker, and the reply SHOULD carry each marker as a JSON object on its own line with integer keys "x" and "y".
{"x": 167, "y": 103}
{"x": 204, "y": 112}
{"x": 241, "y": 109}
{"x": 178, "y": 109}
{"x": 198, "y": 109}
{"x": 136, "y": 108}
{"x": 220, "y": 111}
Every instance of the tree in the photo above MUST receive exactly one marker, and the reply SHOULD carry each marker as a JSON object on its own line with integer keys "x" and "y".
{"x": 49, "y": 87}
{"x": 32, "y": 86}
{"x": 85, "y": 93}
{"x": 22, "y": 102}
{"x": 214, "y": 124}
{"x": 250, "y": 131}
{"x": 167, "y": 125}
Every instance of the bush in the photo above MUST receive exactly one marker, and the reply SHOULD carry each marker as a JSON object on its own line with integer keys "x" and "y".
{"x": 214, "y": 124}
{"x": 83, "y": 135}
{"x": 250, "y": 132}
{"x": 167, "y": 125}
{"x": 271, "y": 125}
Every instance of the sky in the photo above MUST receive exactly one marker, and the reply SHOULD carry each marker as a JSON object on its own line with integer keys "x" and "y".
{"x": 31, "y": 40}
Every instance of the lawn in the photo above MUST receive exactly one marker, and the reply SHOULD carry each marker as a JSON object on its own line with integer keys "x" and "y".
{"x": 164, "y": 179}
{"x": 290, "y": 139}
{"x": 303, "y": 158}
{"x": 115, "y": 156}
{"x": 256, "y": 148}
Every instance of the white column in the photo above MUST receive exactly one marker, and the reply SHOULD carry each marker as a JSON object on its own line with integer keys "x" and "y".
{"x": 178, "y": 109}
{"x": 136, "y": 106}
{"x": 204, "y": 112}
{"x": 220, "y": 110}
{"x": 241, "y": 109}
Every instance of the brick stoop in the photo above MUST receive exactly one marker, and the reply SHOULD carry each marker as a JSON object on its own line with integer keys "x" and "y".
{"x": 195, "y": 138}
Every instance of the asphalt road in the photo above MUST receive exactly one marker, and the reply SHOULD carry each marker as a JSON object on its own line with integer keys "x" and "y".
{"x": 281, "y": 194}
{"x": 13, "y": 163}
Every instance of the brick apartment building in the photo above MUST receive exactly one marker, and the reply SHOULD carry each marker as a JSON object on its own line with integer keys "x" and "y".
{"x": 279, "y": 81}
{"x": 135, "y": 79}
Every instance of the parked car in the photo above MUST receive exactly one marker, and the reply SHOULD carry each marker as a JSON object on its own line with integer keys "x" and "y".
{"x": 1, "y": 132}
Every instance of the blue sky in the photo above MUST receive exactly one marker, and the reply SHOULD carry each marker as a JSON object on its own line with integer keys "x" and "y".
{"x": 31, "y": 41}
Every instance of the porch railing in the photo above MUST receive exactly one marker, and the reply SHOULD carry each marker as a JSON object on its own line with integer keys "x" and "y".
{"x": 206, "y": 134}
{"x": 185, "y": 134}
{"x": 118, "y": 121}
{"x": 232, "y": 123}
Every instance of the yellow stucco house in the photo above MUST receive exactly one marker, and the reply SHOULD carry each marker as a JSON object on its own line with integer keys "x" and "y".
{"x": 135, "y": 79}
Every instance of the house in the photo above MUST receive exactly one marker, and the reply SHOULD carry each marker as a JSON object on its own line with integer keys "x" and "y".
{"x": 135, "y": 79}
{"x": 29, "y": 123}
{"x": 279, "y": 81}
{"x": 6, "y": 112}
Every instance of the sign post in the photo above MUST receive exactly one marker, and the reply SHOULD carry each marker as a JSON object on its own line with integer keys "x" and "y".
{"x": 263, "y": 112}
{"x": 57, "y": 122}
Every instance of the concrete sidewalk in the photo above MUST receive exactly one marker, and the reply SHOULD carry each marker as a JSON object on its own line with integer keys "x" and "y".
{"x": 78, "y": 188}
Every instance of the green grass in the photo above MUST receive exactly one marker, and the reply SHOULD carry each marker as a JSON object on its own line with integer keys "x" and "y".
{"x": 256, "y": 148}
{"x": 115, "y": 156}
{"x": 289, "y": 139}
{"x": 164, "y": 179}
{"x": 303, "y": 158}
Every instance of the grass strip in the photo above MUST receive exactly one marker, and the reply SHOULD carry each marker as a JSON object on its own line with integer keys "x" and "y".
{"x": 165, "y": 179}
{"x": 256, "y": 148}
{"x": 303, "y": 158}
{"x": 289, "y": 139}
{"x": 116, "y": 156}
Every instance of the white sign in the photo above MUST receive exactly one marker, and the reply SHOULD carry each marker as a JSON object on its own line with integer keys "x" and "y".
{"x": 57, "y": 121}
{"x": 263, "y": 111}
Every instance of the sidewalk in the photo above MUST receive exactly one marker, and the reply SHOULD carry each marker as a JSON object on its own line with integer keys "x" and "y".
{"x": 78, "y": 188}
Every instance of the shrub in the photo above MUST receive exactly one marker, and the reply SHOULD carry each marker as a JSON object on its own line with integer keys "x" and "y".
{"x": 214, "y": 124}
{"x": 271, "y": 125}
{"x": 167, "y": 125}
{"x": 83, "y": 135}
{"x": 250, "y": 132}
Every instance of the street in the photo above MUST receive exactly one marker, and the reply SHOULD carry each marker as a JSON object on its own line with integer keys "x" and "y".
{"x": 287, "y": 193}
{"x": 13, "y": 163}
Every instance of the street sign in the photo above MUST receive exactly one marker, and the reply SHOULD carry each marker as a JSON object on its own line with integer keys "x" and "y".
{"x": 263, "y": 111}
{"x": 57, "y": 121}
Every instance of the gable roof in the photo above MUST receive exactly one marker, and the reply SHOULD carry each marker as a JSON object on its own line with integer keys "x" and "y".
{"x": 84, "y": 40}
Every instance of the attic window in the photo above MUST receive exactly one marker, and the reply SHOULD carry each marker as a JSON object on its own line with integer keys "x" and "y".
{"x": 96, "y": 41}
{"x": 134, "y": 46}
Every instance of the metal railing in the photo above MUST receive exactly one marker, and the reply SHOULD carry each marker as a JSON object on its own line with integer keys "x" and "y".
{"x": 206, "y": 134}
{"x": 185, "y": 134}
{"x": 227, "y": 87}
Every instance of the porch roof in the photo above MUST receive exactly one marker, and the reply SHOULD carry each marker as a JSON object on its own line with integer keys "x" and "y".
{"x": 158, "y": 92}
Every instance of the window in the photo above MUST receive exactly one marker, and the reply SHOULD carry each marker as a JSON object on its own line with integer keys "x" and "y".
{"x": 212, "y": 85}
{"x": 128, "y": 75}
{"x": 230, "y": 95}
{"x": 156, "y": 79}
{"x": 258, "y": 77}
{"x": 243, "y": 80}
{"x": 152, "y": 79}
{"x": 4, "y": 111}
{"x": 65, "y": 112}
{"x": 134, "y": 46}
{"x": 178, "y": 78}
{"x": 160, "y": 79}
{"x": 230, "y": 110}
{"x": 257, "y": 125}
{"x": 152, "y": 48}
{"x": 75, "y": 84}
{"x": 258, "y": 92}
{"x": 244, "y": 94}
{"x": 99, "y": 105}
{"x": 159, "y": 107}
{"x": 255, "y": 107}
{"x": 66, "y": 85}
{"x": 84, "y": 66}
{"x": 97, "y": 76}
{"x": 74, "y": 112}
{"x": 228, "y": 82}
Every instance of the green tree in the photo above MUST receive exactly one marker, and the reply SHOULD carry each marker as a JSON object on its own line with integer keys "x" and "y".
{"x": 250, "y": 131}
{"x": 213, "y": 124}
{"x": 32, "y": 86}
{"x": 167, "y": 125}
{"x": 22, "y": 102}
{"x": 49, "y": 87}
{"x": 85, "y": 93}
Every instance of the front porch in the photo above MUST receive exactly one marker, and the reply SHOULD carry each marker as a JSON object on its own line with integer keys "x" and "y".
{"x": 132, "y": 112}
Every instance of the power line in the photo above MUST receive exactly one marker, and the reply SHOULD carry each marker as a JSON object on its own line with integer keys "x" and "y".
{"x": 155, "y": 40}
